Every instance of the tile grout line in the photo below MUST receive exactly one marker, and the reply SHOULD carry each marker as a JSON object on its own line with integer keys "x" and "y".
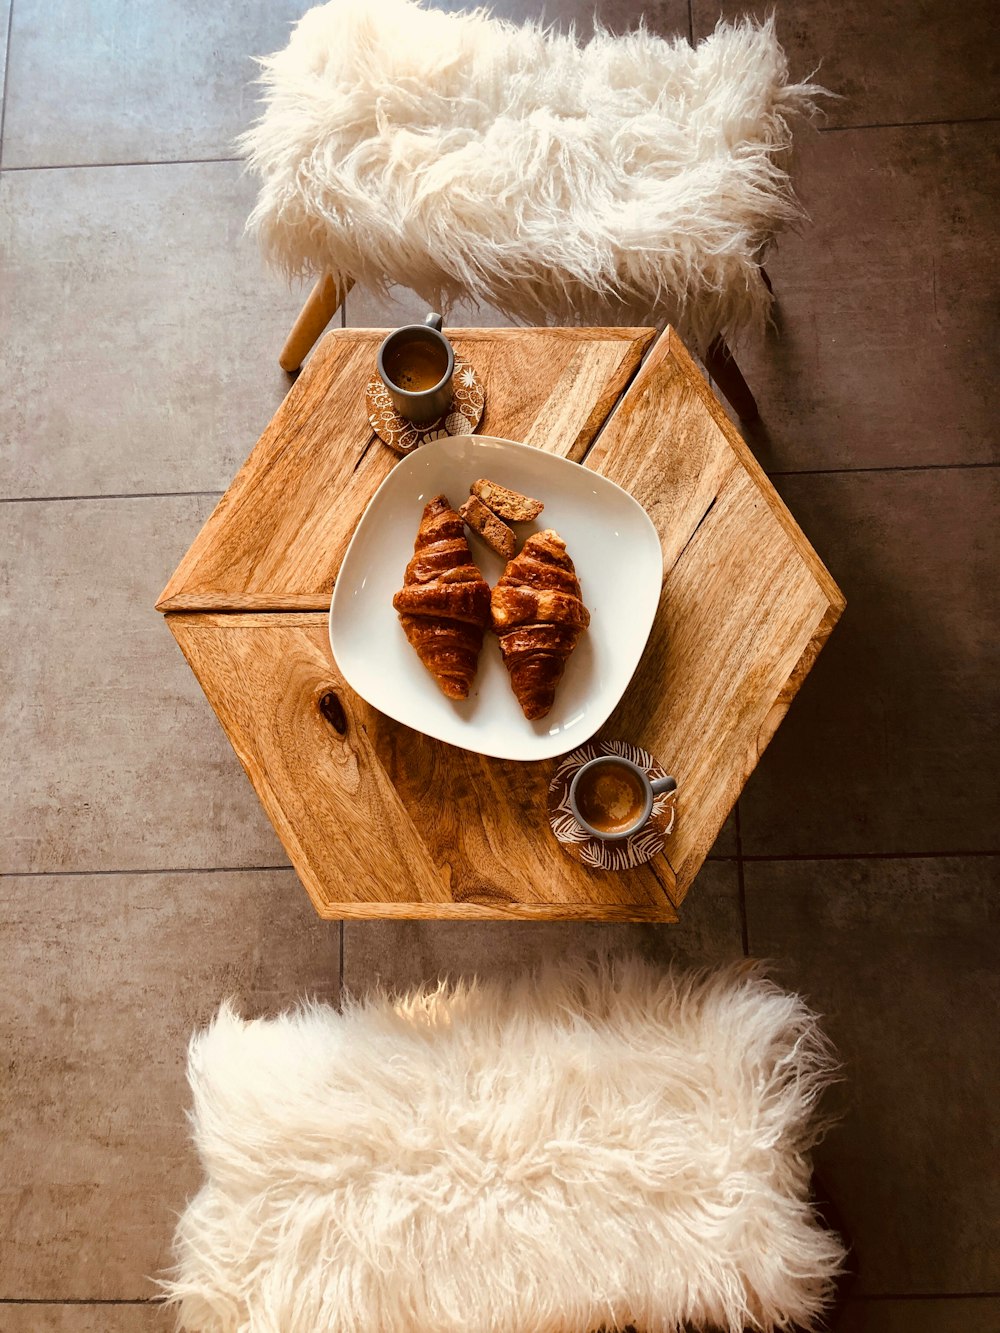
{"x": 114, "y": 495}
{"x": 864, "y": 856}
{"x": 741, "y": 856}
{"x": 926, "y": 1296}
{"x": 154, "y": 870}
{"x": 741, "y": 884}
{"x": 889, "y": 467}
{"x": 801, "y": 472}
{"x": 908, "y": 124}
{"x": 223, "y": 870}
{"x": 195, "y": 161}
{"x": 82, "y": 1300}
{"x": 110, "y": 166}
{"x": 6, "y": 75}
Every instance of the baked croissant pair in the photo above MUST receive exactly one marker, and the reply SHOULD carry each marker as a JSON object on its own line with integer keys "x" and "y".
{"x": 445, "y": 607}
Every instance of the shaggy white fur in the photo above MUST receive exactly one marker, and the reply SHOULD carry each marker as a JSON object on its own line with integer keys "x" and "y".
{"x": 628, "y": 179}
{"x": 586, "y": 1149}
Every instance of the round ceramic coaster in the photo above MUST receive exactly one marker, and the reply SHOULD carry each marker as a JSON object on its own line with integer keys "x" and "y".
{"x": 594, "y": 852}
{"x": 462, "y": 417}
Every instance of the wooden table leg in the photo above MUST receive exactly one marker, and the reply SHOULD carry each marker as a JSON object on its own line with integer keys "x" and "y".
{"x": 721, "y": 365}
{"x": 322, "y": 304}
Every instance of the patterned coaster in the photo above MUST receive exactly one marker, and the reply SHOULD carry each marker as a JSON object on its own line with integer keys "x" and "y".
{"x": 634, "y": 851}
{"x": 462, "y": 417}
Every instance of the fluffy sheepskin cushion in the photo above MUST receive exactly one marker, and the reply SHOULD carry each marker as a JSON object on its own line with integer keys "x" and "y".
{"x": 630, "y": 178}
{"x": 587, "y": 1149}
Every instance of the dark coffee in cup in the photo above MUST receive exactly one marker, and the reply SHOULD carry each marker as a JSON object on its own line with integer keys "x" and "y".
{"x": 416, "y": 364}
{"x": 611, "y": 797}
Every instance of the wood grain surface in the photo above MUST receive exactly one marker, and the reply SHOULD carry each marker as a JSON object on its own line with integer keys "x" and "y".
{"x": 372, "y": 813}
{"x": 313, "y": 767}
{"x": 746, "y": 602}
{"x": 379, "y": 820}
{"x": 277, "y": 537}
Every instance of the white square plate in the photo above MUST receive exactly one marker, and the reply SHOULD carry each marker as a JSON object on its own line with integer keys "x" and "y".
{"x": 618, "y": 559}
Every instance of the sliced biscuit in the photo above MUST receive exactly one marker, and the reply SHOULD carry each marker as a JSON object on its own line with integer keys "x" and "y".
{"x": 489, "y": 527}
{"x": 505, "y": 503}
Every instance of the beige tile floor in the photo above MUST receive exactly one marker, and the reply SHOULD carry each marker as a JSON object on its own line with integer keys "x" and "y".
{"x": 141, "y": 883}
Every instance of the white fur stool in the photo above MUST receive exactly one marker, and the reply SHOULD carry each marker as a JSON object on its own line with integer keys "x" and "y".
{"x": 627, "y": 180}
{"x": 593, "y": 1148}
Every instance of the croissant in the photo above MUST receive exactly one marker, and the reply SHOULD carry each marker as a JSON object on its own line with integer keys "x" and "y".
{"x": 444, "y": 604}
{"x": 538, "y": 616}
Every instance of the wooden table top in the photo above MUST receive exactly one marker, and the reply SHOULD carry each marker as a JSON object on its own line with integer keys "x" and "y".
{"x": 380, "y": 821}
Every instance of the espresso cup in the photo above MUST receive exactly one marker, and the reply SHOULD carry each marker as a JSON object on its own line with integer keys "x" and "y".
{"x": 416, "y": 364}
{"x": 612, "y": 798}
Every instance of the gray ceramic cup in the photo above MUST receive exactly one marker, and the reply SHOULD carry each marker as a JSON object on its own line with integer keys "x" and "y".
{"x": 416, "y": 364}
{"x": 651, "y": 788}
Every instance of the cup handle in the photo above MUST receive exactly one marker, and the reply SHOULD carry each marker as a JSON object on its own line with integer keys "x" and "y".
{"x": 662, "y": 785}
{"x": 434, "y": 320}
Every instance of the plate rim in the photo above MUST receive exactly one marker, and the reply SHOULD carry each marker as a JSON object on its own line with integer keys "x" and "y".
{"x": 407, "y": 463}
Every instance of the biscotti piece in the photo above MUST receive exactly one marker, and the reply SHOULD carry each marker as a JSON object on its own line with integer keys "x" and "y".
{"x": 489, "y": 527}
{"x": 505, "y": 503}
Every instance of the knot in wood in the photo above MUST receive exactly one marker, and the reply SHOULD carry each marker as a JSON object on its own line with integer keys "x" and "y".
{"x": 333, "y": 710}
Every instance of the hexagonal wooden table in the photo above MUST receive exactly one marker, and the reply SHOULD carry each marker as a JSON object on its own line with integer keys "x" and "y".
{"x": 380, "y": 821}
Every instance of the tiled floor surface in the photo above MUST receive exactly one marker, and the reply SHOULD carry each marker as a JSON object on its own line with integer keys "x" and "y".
{"x": 140, "y": 881}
